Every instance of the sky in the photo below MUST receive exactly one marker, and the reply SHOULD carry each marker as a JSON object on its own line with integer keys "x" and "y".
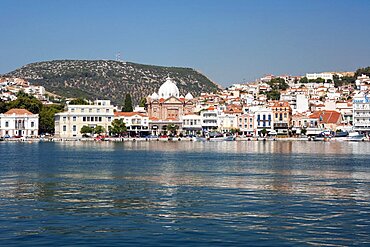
{"x": 230, "y": 41}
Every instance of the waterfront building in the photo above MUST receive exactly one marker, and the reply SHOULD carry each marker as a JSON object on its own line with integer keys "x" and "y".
{"x": 263, "y": 119}
{"x": 361, "y": 112}
{"x": 282, "y": 117}
{"x": 68, "y": 124}
{"x": 168, "y": 106}
{"x": 137, "y": 123}
{"x": 303, "y": 121}
{"x": 228, "y": 119}
{"x": 210, "y": 119}
{"x": 192, "y": 124}
{"x": 246, "y": 124}
{"x": 328, "y": 120}
{"x": 19, "y": 122}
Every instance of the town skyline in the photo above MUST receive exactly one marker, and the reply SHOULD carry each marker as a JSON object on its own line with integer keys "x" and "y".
{"x": 229, "y": 43}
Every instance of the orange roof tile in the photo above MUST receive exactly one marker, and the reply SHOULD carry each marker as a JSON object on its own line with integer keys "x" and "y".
{"x": 18, "y": 112}
{"x": 128, "y": 114}
{"x": 327, "y": 116}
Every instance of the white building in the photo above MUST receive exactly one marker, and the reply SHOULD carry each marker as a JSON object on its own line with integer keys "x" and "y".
{"x": 361, "y": 112}
{"x": 263, "y": 119}
{"x": 191, "y": 124}
{"x": 325, "y": 76}
{"x": 302, "y": 103}
{"x": 19, "y": 122}
{"x": 137, "y": 123}
{"x": 209, "y": 119}
{"x": 68, "y": 124}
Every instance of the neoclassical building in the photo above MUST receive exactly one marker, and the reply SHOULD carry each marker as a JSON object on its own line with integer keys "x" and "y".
{"x": 19, "y": 122}
{"x": 168, "y": 107}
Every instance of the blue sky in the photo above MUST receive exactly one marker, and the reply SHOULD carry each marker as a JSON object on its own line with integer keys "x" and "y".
{"x": 229, "y": 41}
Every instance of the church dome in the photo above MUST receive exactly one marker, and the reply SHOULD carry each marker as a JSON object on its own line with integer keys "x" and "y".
{"x": 154, "y": 96}
{"x": 168, "y": 89}
{"x": 188, "y": 96}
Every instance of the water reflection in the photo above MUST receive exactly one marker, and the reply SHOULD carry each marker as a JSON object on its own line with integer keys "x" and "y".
{"x": 278, "y": 192}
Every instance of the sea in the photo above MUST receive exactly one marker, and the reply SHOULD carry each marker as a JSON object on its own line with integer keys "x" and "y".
{"x": 163, "y": 193}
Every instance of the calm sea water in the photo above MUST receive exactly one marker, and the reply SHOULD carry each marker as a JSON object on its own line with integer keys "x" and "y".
{"x": 185, "y": 193}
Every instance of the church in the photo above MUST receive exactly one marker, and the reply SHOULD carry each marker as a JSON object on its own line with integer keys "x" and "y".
{"x": 167, "y": 107}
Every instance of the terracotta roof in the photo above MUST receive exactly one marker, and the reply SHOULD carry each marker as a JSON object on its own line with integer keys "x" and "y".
{"x": 18, "y": 112}
{"x": 327, "y": 116}
{"x": 154, "y": 119}
{"x": 281, "y": 104}
{"x": 128, "y": 114}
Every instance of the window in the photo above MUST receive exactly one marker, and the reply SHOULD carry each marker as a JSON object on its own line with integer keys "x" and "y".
{"x": 64, "y": 119}
{"x": 97, "y": 110}
{"x": 72, "y": 109}
{"x": 32, "y": 124}
{"x": 74, "y": 118}
{"x": 100, "y": 119}
{"x": 107, "y": 110}
{"x": 109, "y": 119}
{"x": 64, "y": 128}
{"x": 82, "y": 110}
{"x": 90, "y": 110}
{"x": 74, "y": 128}
{"x": 84, "y": 119}
{"x": 6, "y": 124}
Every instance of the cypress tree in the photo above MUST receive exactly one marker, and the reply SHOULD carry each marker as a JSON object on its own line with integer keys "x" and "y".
{"x": 127, "y": 107}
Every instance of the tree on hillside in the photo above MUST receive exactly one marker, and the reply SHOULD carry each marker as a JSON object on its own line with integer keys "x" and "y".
{"x": 79, "y": 101}
{"x": 273, "y": 95}
{"x": 278, "y": 84}
{"x": 362, "y": 71}
{"x": 142, "y": 102}
{"x": 127, "y": 107}
{"x": 303, "y": 80}
{"x": 118, "y": 127}
{"x": 26, "y": 101}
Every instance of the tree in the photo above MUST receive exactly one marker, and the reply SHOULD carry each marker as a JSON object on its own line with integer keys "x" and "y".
{"x": 273, "y": 95}
{"x": 118, "y": 127}
{"x": 362, "y": 71}
{"x": 142, "y": 102}
{"x": 86, "y": 130}
{"x": 127, "y": 107}
{"x": 264, "y": 132}
{"x": 3, "y": 106}
{"x": 79, "y": 101}
{"x": 46, "y": 118}
{"x": 303, "y": 80}
{"x": 278, "y": 84}
{"x": 99, "y": 130}
{"x": 172, "y": 128}
{"x": 26, "y": 101}
{"x": 234, "y": 130}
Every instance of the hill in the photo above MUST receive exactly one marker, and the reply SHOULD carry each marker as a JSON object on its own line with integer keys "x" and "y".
{"x": 103, "y": 79}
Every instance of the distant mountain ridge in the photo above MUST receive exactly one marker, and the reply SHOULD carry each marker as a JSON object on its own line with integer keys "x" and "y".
{"x": 109, "y": 79}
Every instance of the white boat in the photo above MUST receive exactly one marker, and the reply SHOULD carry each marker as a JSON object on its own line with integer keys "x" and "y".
{"x": 355, "y": 137}
{"x": 222, "y": 138}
